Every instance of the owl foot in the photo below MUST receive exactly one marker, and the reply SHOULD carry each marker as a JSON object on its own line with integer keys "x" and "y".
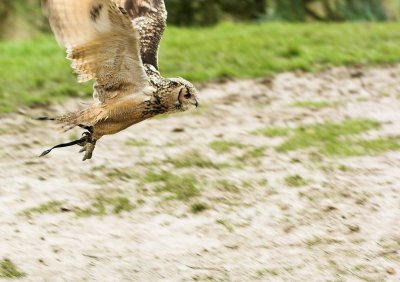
{"x": 87, "y": 142}
{"x": 88, "y": 146}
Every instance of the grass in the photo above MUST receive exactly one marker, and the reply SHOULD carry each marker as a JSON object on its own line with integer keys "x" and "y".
{"x": 296, "y": 181}
{"x": 9, "y": 270}
{"x": 198, "y": 207}
{"x": 252, "y": 156}
{"x": 226, "y": 224}
{"x": 228, "y": 186}
{"x": 137, "y": 143}
{"x": 314, "y": 105}
{"x": 267, "y": 272}
{"x": 194, "y": 159}
{"x": 36, "y": 73}
{"x": 103, "y": 175}
{"x": 181, "y": 187}
{"x": 49, "y": 207}
{"x": 223, "y": 146}
{"x": 273, "y": 132}
{"x": 334, "y": 139}
{"x": 102, "y": 206}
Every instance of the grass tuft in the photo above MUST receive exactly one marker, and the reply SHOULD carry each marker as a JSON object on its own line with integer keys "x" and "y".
{"x": 296, "y": 181}
{"x": 314, "y": 105}
{"x": 198, "y": 207}
{"x": 228, "y": 186}
{"x": 51, "y": 207}
{"x": 223, "y": 146}
{"x": 273, "y": 132}
{"x": 339, "y": 139}
{"x": 9, "y": 270}
{"x": 226, "y": 224}
{"x": 182, "y": 187}
{"x": 137, "y": 143}
{"x": 252, "y": 155}
{"x": 102, "y": 206}
{"x": 194, "y": 159}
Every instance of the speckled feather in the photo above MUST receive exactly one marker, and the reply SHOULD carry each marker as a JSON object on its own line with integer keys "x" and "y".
{"x": 150, "y": 19}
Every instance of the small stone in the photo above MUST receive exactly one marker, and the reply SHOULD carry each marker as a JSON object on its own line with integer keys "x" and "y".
{"x": 391, "y": 271}
{"x": 65, "y": 209}
{"x": 178, "y": 130}
{"x": 354, "y": 228}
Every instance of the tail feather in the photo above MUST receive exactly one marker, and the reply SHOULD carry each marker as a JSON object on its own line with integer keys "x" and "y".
{"x": 87, "y": 117}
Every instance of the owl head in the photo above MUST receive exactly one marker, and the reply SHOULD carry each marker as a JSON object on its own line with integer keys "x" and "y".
{"x": 184, "y": 94}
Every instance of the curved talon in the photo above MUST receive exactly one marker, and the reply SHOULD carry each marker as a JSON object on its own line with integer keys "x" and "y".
{"x": 88, "y": 149}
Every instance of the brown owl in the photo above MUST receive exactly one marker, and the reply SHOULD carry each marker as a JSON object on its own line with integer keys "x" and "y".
{"x": 116, "y": 44}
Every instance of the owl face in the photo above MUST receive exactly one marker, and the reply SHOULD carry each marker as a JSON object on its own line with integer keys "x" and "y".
{"x": 184, "y": 94}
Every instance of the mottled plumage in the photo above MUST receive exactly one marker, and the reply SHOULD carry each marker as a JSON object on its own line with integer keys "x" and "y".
{"x": 116, "y": 43}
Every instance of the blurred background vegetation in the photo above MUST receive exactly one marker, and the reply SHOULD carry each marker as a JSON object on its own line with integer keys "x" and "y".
{"x": 21, "y": 18}
{"x": 208, "y": 40}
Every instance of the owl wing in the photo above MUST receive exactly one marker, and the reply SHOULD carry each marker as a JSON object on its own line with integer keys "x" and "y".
{"x": 150, "y": 18}
{"x": 102, "y": 44}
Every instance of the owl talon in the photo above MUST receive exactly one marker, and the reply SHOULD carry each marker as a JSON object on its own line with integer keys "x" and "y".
{"x": 88, "y": 148}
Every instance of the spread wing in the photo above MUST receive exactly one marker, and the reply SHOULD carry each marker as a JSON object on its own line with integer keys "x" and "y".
{"x": 150, "y": 18}
{"x": 102, "y": 44}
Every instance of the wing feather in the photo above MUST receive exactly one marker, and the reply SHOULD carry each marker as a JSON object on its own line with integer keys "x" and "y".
{"x": 150, "y": 18}
{"x": 102, "y": 44}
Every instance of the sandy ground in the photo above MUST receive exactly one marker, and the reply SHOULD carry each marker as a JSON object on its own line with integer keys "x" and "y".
{"x": 343, "y": 226}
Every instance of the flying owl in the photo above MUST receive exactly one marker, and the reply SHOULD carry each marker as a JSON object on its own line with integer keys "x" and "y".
{"x": 116, "y": 44}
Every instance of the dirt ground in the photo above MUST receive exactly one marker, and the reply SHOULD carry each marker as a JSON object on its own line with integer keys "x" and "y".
{"x": 342, "y": 225}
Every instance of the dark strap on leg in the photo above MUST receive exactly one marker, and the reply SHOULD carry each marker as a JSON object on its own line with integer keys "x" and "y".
{"x": 76, "y": 142}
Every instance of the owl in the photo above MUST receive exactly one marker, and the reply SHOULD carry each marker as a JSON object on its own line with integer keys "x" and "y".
{"x": 115, "y": 43}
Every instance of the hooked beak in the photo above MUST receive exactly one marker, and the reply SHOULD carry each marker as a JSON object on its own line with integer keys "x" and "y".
{"x": 196, "y": 103}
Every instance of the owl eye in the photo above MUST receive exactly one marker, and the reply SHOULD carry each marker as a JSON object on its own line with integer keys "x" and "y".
{"x": 188, "y": 96}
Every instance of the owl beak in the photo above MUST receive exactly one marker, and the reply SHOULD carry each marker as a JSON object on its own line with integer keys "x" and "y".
{"x": 196, "y": 103}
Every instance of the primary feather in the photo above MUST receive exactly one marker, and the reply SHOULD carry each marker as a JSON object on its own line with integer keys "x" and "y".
{"x": 102, "y": 44}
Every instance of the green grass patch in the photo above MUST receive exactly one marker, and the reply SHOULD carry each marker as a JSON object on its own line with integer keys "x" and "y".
{"x": 181, "y": 187}
{"x": 194, "y": 159}
{"x": 227, "y": 50}
{"x": 137, "y": 143}
{"x": 9, "y": 270}
{"x": 252, "y": 156}
{"x": 314, "y": 105}
{"x": 360, "y": 147}
{"x": 267, "y": 273}
{"x": 198, "y": 207}
{"x": 273, "y": 132}
{"x": 226, "y": 224}
{"x": 103, "y": 175}
{"x": 102, "y": 206}
{"x": 339, "y": 139}
{"x": 223, "y": 146}
{"x": 226, "y": 185}
{"x": 296, "y": 181}
{"x": 51, "y": 207}
{"x": 36, "y": 72}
